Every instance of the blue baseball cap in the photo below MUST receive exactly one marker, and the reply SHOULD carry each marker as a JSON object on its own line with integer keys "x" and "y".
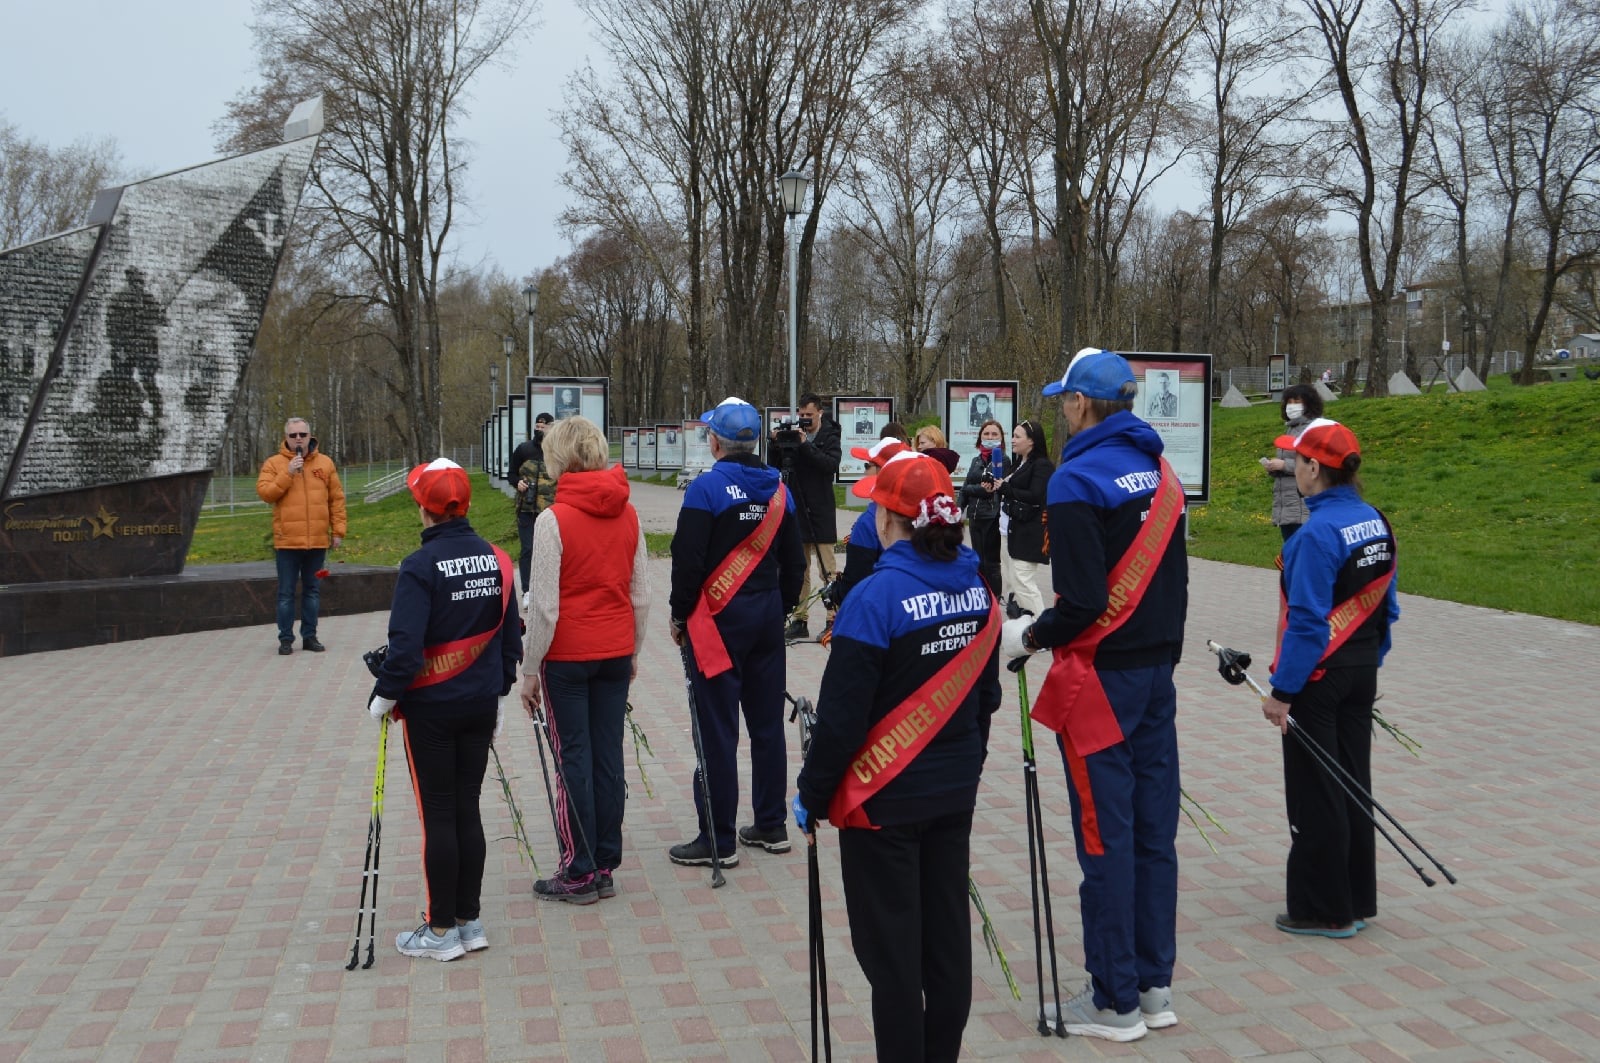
{"x": 734, "y": 419}
{"x": 1095, "y": 373}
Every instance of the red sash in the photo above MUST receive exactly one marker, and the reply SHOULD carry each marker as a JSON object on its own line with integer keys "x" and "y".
{"x": 1071, "y": 701}
{"x": 1345, "y": 620}
{"x": 704, "y": 638}
{"x": 449, "y": 659}
{"x": 895, "y": 740}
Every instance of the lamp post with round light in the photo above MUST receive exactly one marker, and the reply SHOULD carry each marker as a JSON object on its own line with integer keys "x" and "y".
{"x": 509, "y": 344}
{"x": 793, "y": 187}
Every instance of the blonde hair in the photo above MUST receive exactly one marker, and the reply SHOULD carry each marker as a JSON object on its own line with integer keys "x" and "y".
{"x": 933, "y": 432}
{"x": 575, "y": 444}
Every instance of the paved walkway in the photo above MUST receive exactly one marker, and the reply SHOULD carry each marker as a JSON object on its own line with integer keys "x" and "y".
{"x": 183, "y": 822}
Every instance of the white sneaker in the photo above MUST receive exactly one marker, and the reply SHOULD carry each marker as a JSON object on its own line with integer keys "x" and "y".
{"x": 1155, "y": 1004}
{"x": 1083, "y": 1019}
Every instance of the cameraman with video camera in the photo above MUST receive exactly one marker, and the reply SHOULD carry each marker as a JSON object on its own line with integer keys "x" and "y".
{"x": 808, "y": 454}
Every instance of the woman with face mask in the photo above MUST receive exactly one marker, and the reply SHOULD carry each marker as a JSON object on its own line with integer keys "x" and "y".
{"x": 981, "y": 502}
{"x": 1301, "y": 405}
{"x": 1025, "y": 555}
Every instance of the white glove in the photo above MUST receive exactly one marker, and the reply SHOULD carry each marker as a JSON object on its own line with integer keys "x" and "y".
{"x": 1011, "y": 632}
{"x": 380, "y": 707}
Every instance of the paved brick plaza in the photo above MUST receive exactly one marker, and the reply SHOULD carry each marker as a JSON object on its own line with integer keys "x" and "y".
{"x": 183, "y": 822}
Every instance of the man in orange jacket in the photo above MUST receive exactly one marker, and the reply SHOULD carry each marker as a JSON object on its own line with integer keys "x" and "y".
{"x": 302, "y": 486}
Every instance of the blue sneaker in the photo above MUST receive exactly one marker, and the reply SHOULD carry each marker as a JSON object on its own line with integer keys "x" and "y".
{"x": 424, "y": 942}
{"x": 472, "y": 936}
{"x": 1314, "y": 928}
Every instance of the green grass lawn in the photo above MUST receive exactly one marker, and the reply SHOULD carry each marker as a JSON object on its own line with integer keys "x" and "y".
{"x": 1494, "y": 496}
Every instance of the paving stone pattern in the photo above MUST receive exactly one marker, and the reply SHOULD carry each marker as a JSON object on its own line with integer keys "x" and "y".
{"x": 183, "y": 822}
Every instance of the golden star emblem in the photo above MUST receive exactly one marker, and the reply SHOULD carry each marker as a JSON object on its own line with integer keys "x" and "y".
{"x": 102, "y": 524}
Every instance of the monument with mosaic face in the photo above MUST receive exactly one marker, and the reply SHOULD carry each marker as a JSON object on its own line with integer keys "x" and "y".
{"x": 122, "y": 347}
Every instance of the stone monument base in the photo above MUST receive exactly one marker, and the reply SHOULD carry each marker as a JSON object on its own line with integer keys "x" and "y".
{"x": 69, "y": 613}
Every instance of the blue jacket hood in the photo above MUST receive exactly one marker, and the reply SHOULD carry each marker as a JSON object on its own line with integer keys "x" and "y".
{"x": 952, "y": 576}
{"x": 1123, "y": 427}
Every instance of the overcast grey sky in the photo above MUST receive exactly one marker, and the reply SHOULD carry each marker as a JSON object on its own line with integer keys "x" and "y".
{"x": 155, "y": 75}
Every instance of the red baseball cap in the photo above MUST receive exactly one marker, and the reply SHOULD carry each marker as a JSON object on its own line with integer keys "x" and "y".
{"x": 906, "y": 481}
{"x": 1325, "y": 441}
{"x": 879, "y": 452}
{"x": 441, "y": 487}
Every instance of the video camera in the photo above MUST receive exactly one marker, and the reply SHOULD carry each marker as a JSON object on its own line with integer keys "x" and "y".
{"x": 374, "y": 659}
{"x": 787, "y": 433}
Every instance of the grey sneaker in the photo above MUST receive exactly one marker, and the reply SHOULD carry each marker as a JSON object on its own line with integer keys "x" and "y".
{"x": 473, "y": 937}
{"x": 797, "y": 629}
{"x": 1083, "y": 1019}
{"x": 1155, "y": 1004}
{"x": 559, "y": 887}
{"x": 775, "y": 840}
{"x": 604, "y": 884}
{"x": 424, "y": 942}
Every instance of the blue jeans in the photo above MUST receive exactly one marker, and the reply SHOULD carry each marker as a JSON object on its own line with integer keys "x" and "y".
{"x": 587, "y": 701}
{"x": 299, "y": 566}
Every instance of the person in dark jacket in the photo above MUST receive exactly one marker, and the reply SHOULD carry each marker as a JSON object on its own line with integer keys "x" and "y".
{"x": 1026, "y": 550}
{"x": 809, "y": 469}
{"x": 736, "y": 571}
{"x": 1116, "y": 629}
{"x": 1340, "y": 601}
{"x": 589, "y": 559}
{"x": 535, "y": 490}
{"x": 902, "y": 732}
{"x": 980, "y": 502}
{"x": 1301, "y": 405}
{"x": 454, "y": 643}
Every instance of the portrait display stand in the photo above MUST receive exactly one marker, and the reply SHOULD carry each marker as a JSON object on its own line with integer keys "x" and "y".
{"x": 1174, "y": 398}
{"x": 968, "y": 403}
{"x": 861, "y": 423}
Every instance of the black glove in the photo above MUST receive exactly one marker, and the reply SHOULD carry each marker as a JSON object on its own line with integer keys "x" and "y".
{"x": 1232, "y": 665}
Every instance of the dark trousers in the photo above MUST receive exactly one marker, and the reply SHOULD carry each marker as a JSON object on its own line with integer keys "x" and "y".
{"x": 299, "y": 566}
{"x": 525, "y": 539}
{"x": 587, "y": 702}
{"x": 752, "y": 630}
{"x": 986, "y": 543}
{"x": 905, "y": 888}
{"x": 1288, "y": 530}
{"x": 447, "y": 748}
{"x": 1125, "y": 825}
{"x": 1333, "y": 874}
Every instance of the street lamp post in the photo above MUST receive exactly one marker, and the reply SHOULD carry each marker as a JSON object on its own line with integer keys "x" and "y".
{"x": 531, "y": 295}
{"x": 494, "y": 388}
{"x": 1274, "y": 335}
{"x": 793, "y": 186}
{"x": 510, "y": 346}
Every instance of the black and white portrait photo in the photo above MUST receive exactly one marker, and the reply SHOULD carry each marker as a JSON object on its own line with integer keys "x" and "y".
{"x": 567, "y": 403}
{"x": 864, "y": 421}
{"x": 980, "y": 407}
{"x": 1162, "y": 401}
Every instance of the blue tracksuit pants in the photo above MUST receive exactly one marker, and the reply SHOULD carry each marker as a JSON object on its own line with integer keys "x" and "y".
{"x": 752, "y": 631}
{"x": 1125, "y": 824}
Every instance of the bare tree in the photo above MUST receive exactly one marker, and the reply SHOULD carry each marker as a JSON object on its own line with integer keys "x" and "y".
{"x": 1251, "y": 93}
{"x": 898, "y": 182}
{"x": 46, "y": 190}
{"x": 394, "y": 76}
{"x": 1381, "y": 68}
{"x": 1106, "y": 60}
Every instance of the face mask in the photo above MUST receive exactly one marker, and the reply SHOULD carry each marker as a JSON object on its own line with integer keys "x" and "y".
{"x": 1293, "y": 410}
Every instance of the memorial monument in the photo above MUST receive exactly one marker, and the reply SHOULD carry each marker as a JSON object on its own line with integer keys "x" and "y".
{"x": 122, "y": 347}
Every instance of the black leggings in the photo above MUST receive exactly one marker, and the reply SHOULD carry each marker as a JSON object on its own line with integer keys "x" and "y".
{"x": 447, "y": 748}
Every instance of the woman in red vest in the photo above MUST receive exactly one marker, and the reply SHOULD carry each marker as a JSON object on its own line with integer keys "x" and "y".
{"x": 590, "y": 597}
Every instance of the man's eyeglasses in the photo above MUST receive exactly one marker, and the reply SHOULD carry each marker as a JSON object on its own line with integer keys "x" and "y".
{"x": 298, "y": 435}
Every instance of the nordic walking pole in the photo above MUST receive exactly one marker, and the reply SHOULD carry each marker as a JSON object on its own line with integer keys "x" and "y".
{"x": 1038, "y": 864}
{"x": 542, "y": 725}
{"x": 717, "y": 880}
{"x": 819, "y": 956}
{"x": 369, "y": 864}
{"x": 1233, "y": 668}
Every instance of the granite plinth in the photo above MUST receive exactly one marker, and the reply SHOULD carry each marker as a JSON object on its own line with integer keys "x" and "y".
{"x": 70, "y": 613}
